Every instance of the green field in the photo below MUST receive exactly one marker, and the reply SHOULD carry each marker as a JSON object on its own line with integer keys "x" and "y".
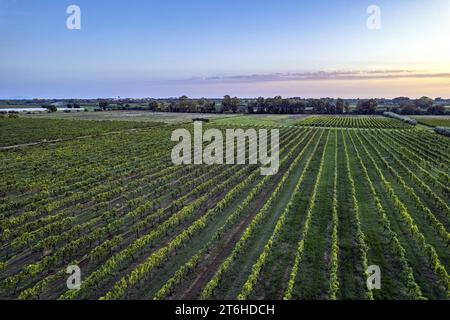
{"x": 25, "y": 130}
{"x": 141, "y": 116}
{"x": 430, "y": 121}
{"x": 141, "y": 228}
{"x": 353, "y": 122}
{"x": 261, "y": 120}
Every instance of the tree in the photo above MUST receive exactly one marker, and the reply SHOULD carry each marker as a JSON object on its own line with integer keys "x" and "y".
{"x": 340, "y": 104}
{"x": 277, "y": 104}
{"x": 194, "y": 106}
{"x": 285, "y": 106}
{"x": 329, "y": 106}
{"x": 235, "y": 104}
{"x": 103, "y": 104}
{"x": 347, "y": 107}
{"x": 424, "y": 103}
{"x": 367, "y": 106}
{"x": 183, "y": 102}
{"x": 317, "y": 106}
{"x": 401, "y": 100}
{"x": 172, "y": 107}
{"x": 206, "y": 106}
{"x": 153, "y": 105}
{"x": 261, "y": 105}
{"x": 226, "y": 103}
{"x": 436, "y": 110}
{"x": 50, "y": 108}
{"x": 394, "y": 109}
{"x": 297, "y": 106}
{"x": 322, "y": 106}
{"x": 410, "y": 108}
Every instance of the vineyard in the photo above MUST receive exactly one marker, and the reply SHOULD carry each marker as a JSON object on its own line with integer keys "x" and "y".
{"x": 353, "y": 122}
{"x": 23, "y": 130}
{"x": 434, "y": 122}
{"x": 138, "y": 227}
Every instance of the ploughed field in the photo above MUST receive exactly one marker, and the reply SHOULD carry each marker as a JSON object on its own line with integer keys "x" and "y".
{"x": 141, "y": 228}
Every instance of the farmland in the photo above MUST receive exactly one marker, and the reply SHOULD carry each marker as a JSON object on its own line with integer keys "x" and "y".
{"x": 434, "y": 121}
{"x": 260, "y": 120}
{"x": 133, "y": 116}
{"x": 353, "y": 122}
{"x": 351, "y": 192}
{"x": 23, "y": 131}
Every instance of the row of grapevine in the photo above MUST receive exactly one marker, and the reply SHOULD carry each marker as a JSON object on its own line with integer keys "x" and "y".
{"x": 42, "y": 228}
{"x": 353, "y": 122}
{"x": 257, "y": 267}
{"x": 433, "y": 166}
{"x": 143, "y": 269}
{"x": 140, "y": 227}
{"x": 97, "y": 186}
{"x": 192, "y": 263}
{"x": 334, "y": 258}
{"x": 427, "y": 249}
{"x": 360, "y": 237}
{"x": 406, "y": 158}
{"x": 298, "y": 257}
{"x": 82, "y": 242}
{"x": 35, "y": 130}
{"x": 395, "y": 245}
{"x": 426, "y": 148}
{"x": 163, "y": 178}
{"x": 437, "y": 225}
{"x": 86, "y": 171}
{"x": 117, "y": 223}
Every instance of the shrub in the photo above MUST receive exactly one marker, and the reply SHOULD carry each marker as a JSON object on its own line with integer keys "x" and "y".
{"x": 442, "y": 131}
{"x": 401, "y": 118}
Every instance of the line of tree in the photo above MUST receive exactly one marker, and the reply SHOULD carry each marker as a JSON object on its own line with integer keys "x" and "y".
{"x": 184, "y": 104}
{"x": 275, "y": 105}
{"x": 279, "y": 105}
{"x": 261, "y": 105}
{"x": 424, "y": 105}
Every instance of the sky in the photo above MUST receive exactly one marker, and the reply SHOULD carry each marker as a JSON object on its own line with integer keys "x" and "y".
{"x": 209, "y": 48}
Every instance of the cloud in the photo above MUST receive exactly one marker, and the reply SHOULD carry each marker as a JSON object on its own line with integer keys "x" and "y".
{"x": 319, "y": 75}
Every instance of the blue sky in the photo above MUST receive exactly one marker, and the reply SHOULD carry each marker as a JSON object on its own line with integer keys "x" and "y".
{"x": 210, "y": 48}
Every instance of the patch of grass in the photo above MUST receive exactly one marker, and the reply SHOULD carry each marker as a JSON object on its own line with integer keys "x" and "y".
{"x": 135, "y": 116}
